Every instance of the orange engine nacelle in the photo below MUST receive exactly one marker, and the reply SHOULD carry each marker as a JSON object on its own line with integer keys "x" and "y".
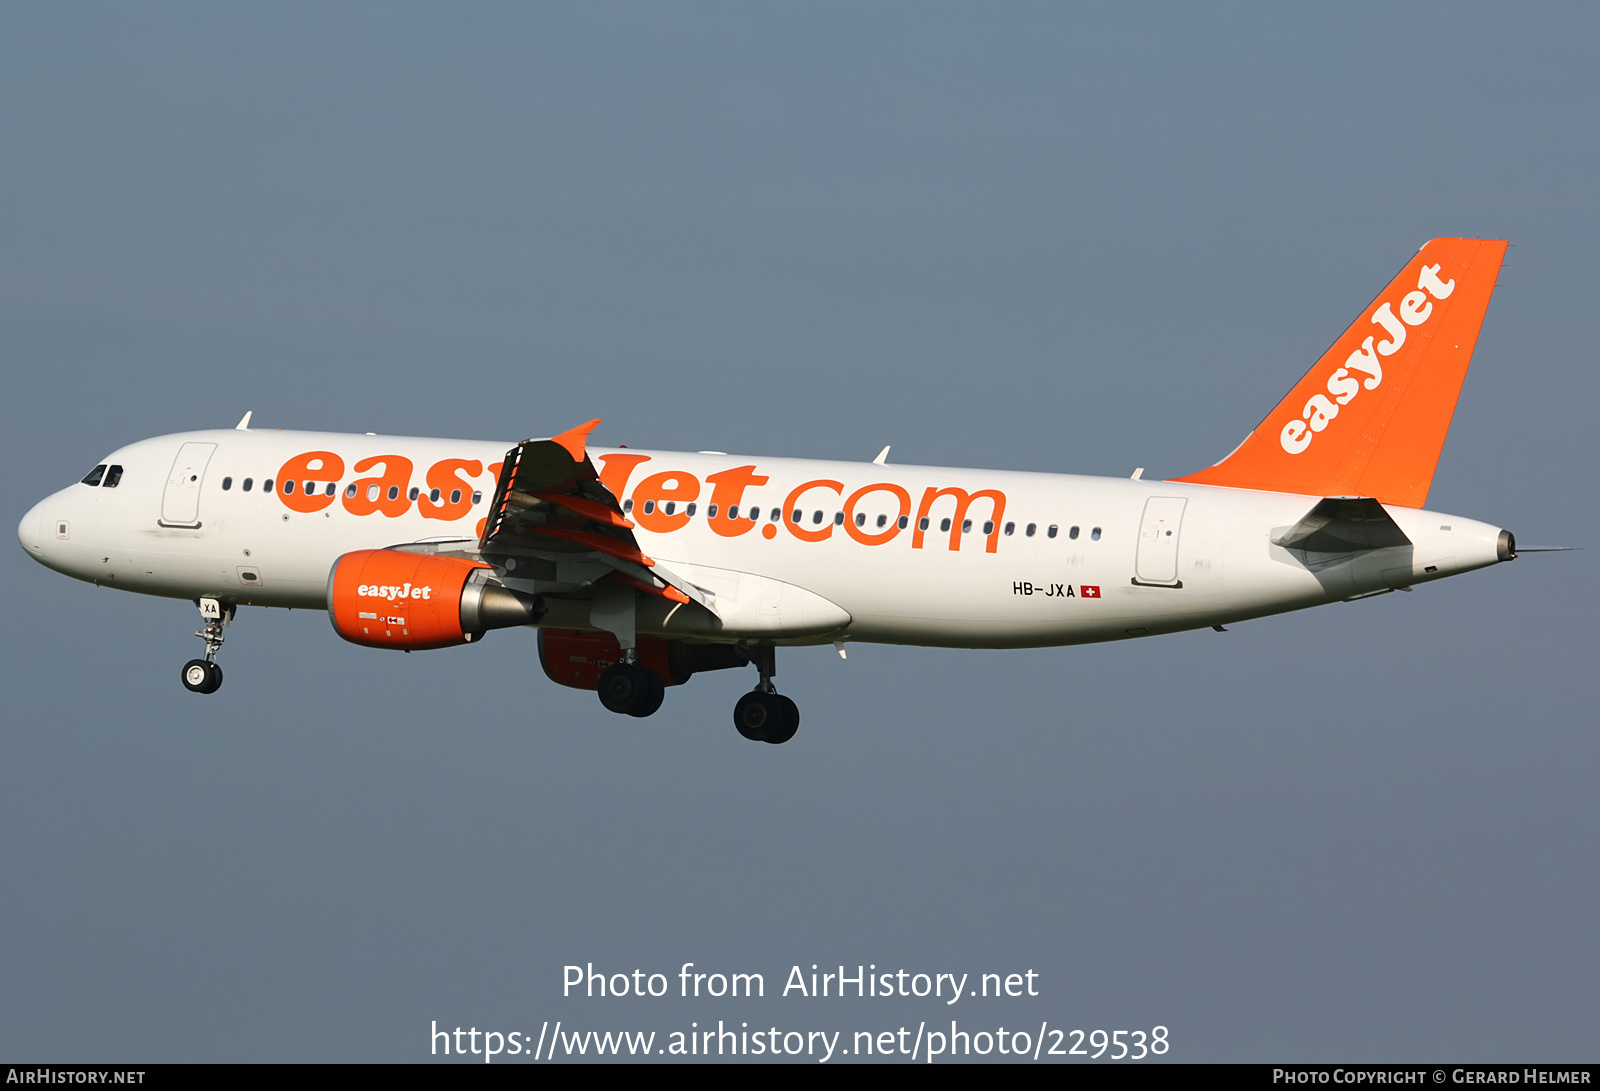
{"x": 387, "y": 598}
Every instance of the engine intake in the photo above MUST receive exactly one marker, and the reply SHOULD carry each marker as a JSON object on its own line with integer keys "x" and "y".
{"x": 388, "y": 598}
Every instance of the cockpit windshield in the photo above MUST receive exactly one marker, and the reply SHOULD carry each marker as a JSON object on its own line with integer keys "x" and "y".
{"x": 93, "y": 477}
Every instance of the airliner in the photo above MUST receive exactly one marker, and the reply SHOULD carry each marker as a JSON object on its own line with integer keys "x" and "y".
{"x": 638, "y": 568}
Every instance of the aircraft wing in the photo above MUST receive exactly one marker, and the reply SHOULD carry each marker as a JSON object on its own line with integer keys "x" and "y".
{"x": 549, "y": 503}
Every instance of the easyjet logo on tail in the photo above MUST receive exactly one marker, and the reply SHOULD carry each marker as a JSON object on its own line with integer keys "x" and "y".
{"x": 1381, "y": 397}
{"x": 1366, "y": 362}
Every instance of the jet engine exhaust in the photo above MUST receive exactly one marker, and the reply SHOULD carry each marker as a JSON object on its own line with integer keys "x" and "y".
{"x": 486, "y": 606}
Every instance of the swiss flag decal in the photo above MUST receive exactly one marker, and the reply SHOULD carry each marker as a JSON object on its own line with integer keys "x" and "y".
{"x": 1089, "y": 591}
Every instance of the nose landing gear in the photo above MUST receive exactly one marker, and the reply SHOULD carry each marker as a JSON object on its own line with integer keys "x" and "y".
{"x": 203, "y": 675}
{"x": 764, "y": 714}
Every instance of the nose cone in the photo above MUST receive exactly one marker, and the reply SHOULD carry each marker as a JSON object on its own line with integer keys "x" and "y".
{"x": 28, "y": 532}
{"x": 31, "y": 531}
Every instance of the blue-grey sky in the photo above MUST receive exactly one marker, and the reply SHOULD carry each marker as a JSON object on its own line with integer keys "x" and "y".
{"x": 1066, "y": 238}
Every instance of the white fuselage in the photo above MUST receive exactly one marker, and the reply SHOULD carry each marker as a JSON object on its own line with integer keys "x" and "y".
{"x": 1108, "y": 558}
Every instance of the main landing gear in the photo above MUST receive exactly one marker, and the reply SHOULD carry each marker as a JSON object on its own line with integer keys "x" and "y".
{"x": 632, "y": 689}
{"x": 764, "y": 714}
{"x": 203, "y": 675}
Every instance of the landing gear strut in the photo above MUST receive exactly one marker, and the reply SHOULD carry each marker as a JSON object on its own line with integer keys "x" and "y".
{"x": 627, "y": 687}
{"x": 203, "y": 675}
{"x": 764, "y": 714}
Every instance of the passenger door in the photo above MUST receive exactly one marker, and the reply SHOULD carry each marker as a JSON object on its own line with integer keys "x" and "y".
{"x": 1157, "y": 560}
{"x": 180, "y": 503}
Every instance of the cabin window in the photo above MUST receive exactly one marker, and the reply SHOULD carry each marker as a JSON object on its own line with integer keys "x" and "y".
{"x": 627, "y": 505}
{"x": 1073, "y": 533}
{"x": 670, "y": 507}
{"x": 433, "y": 496}
{"x": 1010, "y": 529}
{"x": 711, "y": 512}
{"x": 350, "y": 491}
{"x": 332, "y": 488}
{"x": 689, "y": 510}
{"x": 394, "y": 492}
{"x": 903, "y": 521}
{"x": 838, "y": 518}
{"x": 412, "y": 495}
{"x": 922, "y": 524}
{"x": 288, "y": 487}
{"x": 92, "y": 478}
{"x": 113, "y": 477}
{"x": 988, "y": 528}
{"x": 755, "y": 513}
{"x": 247, "y": 483}
{"x": 944, "y": 524}
{"x": 1051, "y": 533}
{"x": 883, "y": 520}
{"x": 1095, "y": 534}
{"x": 776, "y": 515}
{"x": 794, "y": 516}
{"x": 1032, "y": 527}
{"x": 861, "y": 518}
{"x": 266, "y": 486}
{"x": 477, "y": 496}
{"x": 966, "y": 526}
{"x": 227, "y": 483}
{"x": 649, "y": 507}
{"x": 311, "y": 488}
{"x": 733, "y": 511}
{"x": 816, "y": 516}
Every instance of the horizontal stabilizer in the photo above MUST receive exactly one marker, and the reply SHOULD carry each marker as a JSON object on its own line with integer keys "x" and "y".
{"x": 1344, "y": 524}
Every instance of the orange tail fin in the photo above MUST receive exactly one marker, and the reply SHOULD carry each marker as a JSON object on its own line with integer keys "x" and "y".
{"x": 1371, "y": 417}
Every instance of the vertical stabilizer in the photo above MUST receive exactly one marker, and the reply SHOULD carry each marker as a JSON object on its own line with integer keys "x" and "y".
{"x": 1370, "y": 418}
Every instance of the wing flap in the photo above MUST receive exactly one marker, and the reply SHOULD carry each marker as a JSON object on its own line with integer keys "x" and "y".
{"x": 549, "y": 503}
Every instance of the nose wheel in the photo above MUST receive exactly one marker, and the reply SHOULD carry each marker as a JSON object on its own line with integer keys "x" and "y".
{"x": 764, "y": 714}
{"x": 203, "y": 675}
